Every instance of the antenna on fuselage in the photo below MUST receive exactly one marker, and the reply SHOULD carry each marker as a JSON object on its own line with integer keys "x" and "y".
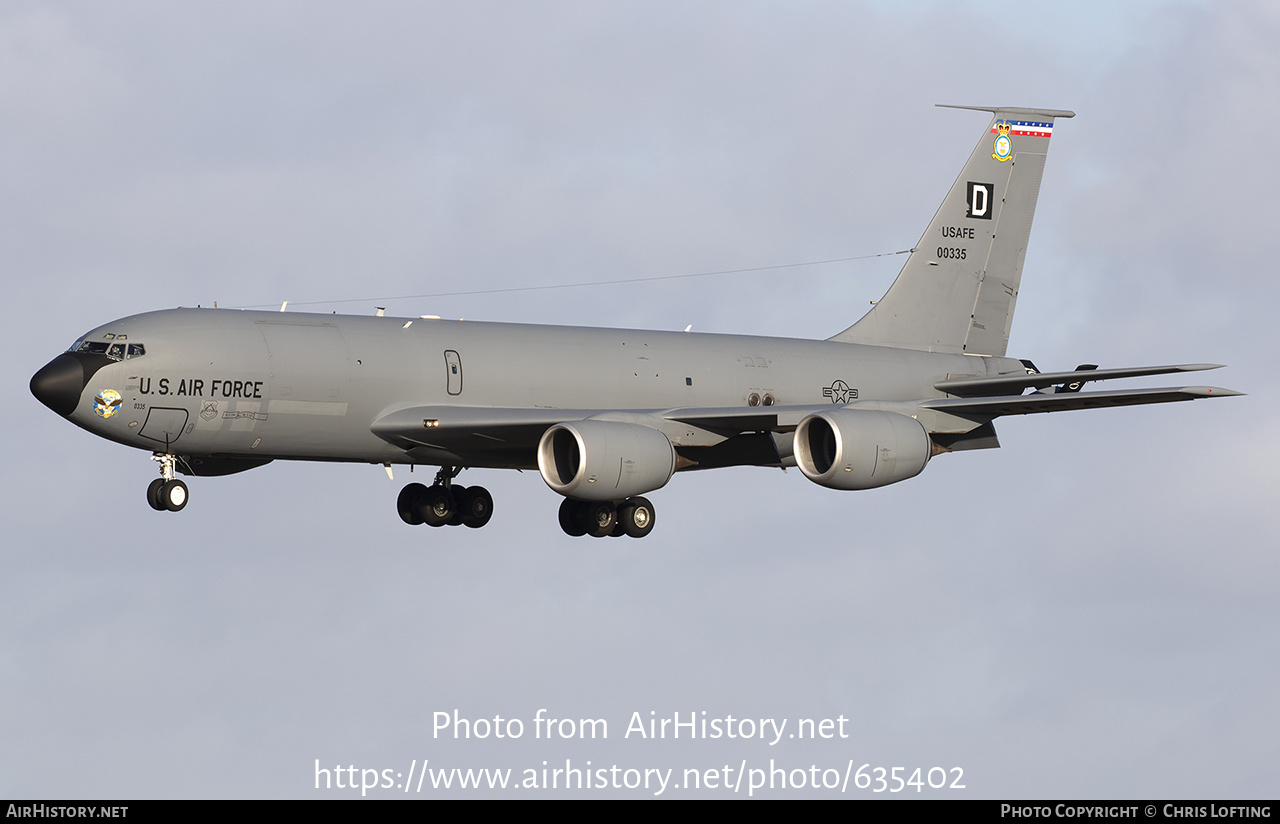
{"x": 380, "y": 312}
{"x": 286, "y": 303}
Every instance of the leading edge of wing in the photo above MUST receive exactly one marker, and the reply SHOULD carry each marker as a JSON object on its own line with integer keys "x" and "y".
{"x": 993, "y": 407}
{"x": 436, "y": 426}
{"x": 444, "y": 426}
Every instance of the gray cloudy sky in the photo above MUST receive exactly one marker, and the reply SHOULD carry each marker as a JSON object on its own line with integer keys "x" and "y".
{"x": 1089, "y": 611}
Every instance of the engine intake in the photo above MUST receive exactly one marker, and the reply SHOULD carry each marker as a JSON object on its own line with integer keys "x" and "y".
{"x": 604, "y": 460}
{"x": 860, "y": 448}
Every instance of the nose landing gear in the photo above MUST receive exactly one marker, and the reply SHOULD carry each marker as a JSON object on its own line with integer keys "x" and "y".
{"x": 167, "y": 493}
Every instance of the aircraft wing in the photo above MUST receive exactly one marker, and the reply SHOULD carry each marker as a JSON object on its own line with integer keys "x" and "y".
{"x": 509, "y": 436}
{"x": 735, "y": 419}
{"x": 462, "y": 429}
{"x": 448, "y": 427}
{"x": 724, "y": 436}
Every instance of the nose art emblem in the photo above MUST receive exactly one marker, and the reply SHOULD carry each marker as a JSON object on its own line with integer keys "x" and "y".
{"x": 107, "y": 403}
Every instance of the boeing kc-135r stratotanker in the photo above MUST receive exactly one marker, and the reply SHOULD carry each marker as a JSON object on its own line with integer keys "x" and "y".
{"x": 605, "y": 415}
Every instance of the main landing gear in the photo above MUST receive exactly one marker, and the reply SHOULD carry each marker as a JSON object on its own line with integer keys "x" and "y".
{"x": 444, "y": 503}
{"x": 599, "y": 519}
{"x": 167, "y": 493}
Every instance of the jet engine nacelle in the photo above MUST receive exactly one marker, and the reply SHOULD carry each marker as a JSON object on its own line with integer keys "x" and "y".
{"x": 860, "y": 448}
{"x": 604, "y": 460}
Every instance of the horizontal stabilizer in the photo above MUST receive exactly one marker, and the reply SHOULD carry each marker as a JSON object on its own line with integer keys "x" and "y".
{"x": 1013, "y": 110}
{"x": 994, "y": 407}
{"x": 970, "y": 387}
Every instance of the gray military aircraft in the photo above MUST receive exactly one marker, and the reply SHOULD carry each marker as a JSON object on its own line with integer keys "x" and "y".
{"x": 605, "y": 415}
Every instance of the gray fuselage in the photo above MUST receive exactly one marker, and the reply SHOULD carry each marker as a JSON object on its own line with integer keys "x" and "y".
{"x": 272, "y": 385}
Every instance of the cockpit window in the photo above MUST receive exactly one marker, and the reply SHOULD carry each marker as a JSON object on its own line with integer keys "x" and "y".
{"x": 115, "y": 351}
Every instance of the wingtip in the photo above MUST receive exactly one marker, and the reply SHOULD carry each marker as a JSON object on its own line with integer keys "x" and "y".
{"x": 1210, "y": 392}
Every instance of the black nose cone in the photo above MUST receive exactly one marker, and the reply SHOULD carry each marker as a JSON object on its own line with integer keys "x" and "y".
{"x": 59, "y": 384}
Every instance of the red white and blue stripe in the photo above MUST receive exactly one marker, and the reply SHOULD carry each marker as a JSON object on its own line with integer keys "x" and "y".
{"x": 1026, "y": 128}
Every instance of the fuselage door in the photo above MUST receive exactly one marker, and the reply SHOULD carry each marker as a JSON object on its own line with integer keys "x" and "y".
{"x": 453, "y": 366}
{"x": 164, "y": 425}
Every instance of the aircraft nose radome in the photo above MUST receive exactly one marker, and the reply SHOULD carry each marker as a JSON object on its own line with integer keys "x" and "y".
{"x": 59, "y": 383}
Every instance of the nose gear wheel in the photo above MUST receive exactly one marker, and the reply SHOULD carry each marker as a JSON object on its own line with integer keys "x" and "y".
{"x": 167, "y": 493}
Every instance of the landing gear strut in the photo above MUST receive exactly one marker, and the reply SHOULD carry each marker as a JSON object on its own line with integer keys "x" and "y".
{"x": 445, "y": 503}
{"x": 633, "y": 517}
{"x": 167, "y": 493}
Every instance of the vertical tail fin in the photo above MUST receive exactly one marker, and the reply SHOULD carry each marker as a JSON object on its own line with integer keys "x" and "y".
{"x": 957, "y": 291}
